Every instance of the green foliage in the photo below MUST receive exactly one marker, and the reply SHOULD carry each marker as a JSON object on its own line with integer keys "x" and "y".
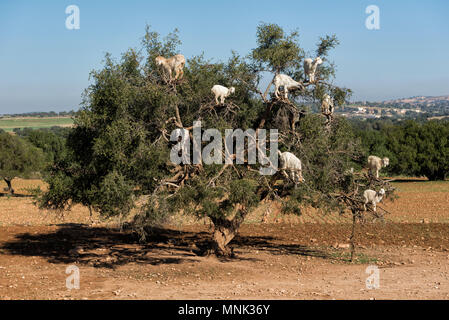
{"x": 243, "y": 192}
{"x": 18, "y": 158}
{"x": 277, "y": 51}
{"x": 326, "y": 158}
{"x": 326, "y": 44}
{"x": 414, "y": 149}
{"x": 116, "y": 194}
{"x": 51, "y": 141}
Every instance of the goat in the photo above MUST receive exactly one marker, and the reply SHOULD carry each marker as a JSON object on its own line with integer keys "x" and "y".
{"x": 376, "y": 163}
{"x": 222, "y": 92}
{"x": 289, "y": 162}
{"x": 373, "y": 197}
{"x": 174, "y": 64}
{"x": 310, "y": 66}
{"x": 282, "y": 80}
{"x": 327, "y": 106}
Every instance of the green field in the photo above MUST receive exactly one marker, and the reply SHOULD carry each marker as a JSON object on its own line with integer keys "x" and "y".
{"x": 8, "y": 124}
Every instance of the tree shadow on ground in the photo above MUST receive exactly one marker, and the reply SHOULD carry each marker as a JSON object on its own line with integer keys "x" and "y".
{"x": 268, "y": 244}
{"x": 109, "y": 248}
{"x": 15, "y": 195}
{"x": 99, "y": 247}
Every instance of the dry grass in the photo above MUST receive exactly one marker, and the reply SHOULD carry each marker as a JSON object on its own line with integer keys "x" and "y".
{"x": 20, "y": 209}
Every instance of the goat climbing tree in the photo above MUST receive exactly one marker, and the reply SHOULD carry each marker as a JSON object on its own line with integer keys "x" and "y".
{"x": 119, "y": 150}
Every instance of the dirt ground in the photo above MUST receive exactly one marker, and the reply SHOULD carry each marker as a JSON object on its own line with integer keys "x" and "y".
{"x": 286, "y": 258}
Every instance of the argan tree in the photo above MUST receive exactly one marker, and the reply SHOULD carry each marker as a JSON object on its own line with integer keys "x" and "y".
{"x": 118, "y": 158}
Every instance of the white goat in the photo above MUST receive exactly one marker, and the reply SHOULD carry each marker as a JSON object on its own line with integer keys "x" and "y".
{"x": 376, "y": 163}
{"x": 222, "y": 92}
{"x": 310, "y": 66}
{"x": 327, "y": 106}
{"x": 373, "y": 197}
{"x": 282, "y": 80}
{"x": 289, "y": 162}
{"x": 174, "y": 64}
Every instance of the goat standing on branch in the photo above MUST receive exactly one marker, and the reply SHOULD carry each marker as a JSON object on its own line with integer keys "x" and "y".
{"x": 373, "y": 197}
{"x": 290, "y": 163}
{"x": 222, "y": 93}
{"x": 376, "y": 163}
{"x": 310, "y": 68}
{"x": 282, "y": 80}
{"x": 327, "y": 108}
{"x": 174, "y": 64}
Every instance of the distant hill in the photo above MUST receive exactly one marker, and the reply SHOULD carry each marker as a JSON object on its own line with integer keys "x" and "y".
{"x": 430, "y": 107}
{"x": 41, "y": 114}
{"x": 420, "y": 101}
{"x": 417, "y": 102}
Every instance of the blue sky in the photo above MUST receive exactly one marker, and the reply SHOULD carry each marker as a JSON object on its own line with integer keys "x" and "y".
{"x": 44, "y": 66}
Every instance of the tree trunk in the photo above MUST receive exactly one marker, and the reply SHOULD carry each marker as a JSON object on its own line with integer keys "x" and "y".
{"x": 8, "y": 182}
{"x": 221, "y": 238}
{"x": 352, "y": 243}
{"x": 90, "y": 214}
{"x": 224, "y": 231}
